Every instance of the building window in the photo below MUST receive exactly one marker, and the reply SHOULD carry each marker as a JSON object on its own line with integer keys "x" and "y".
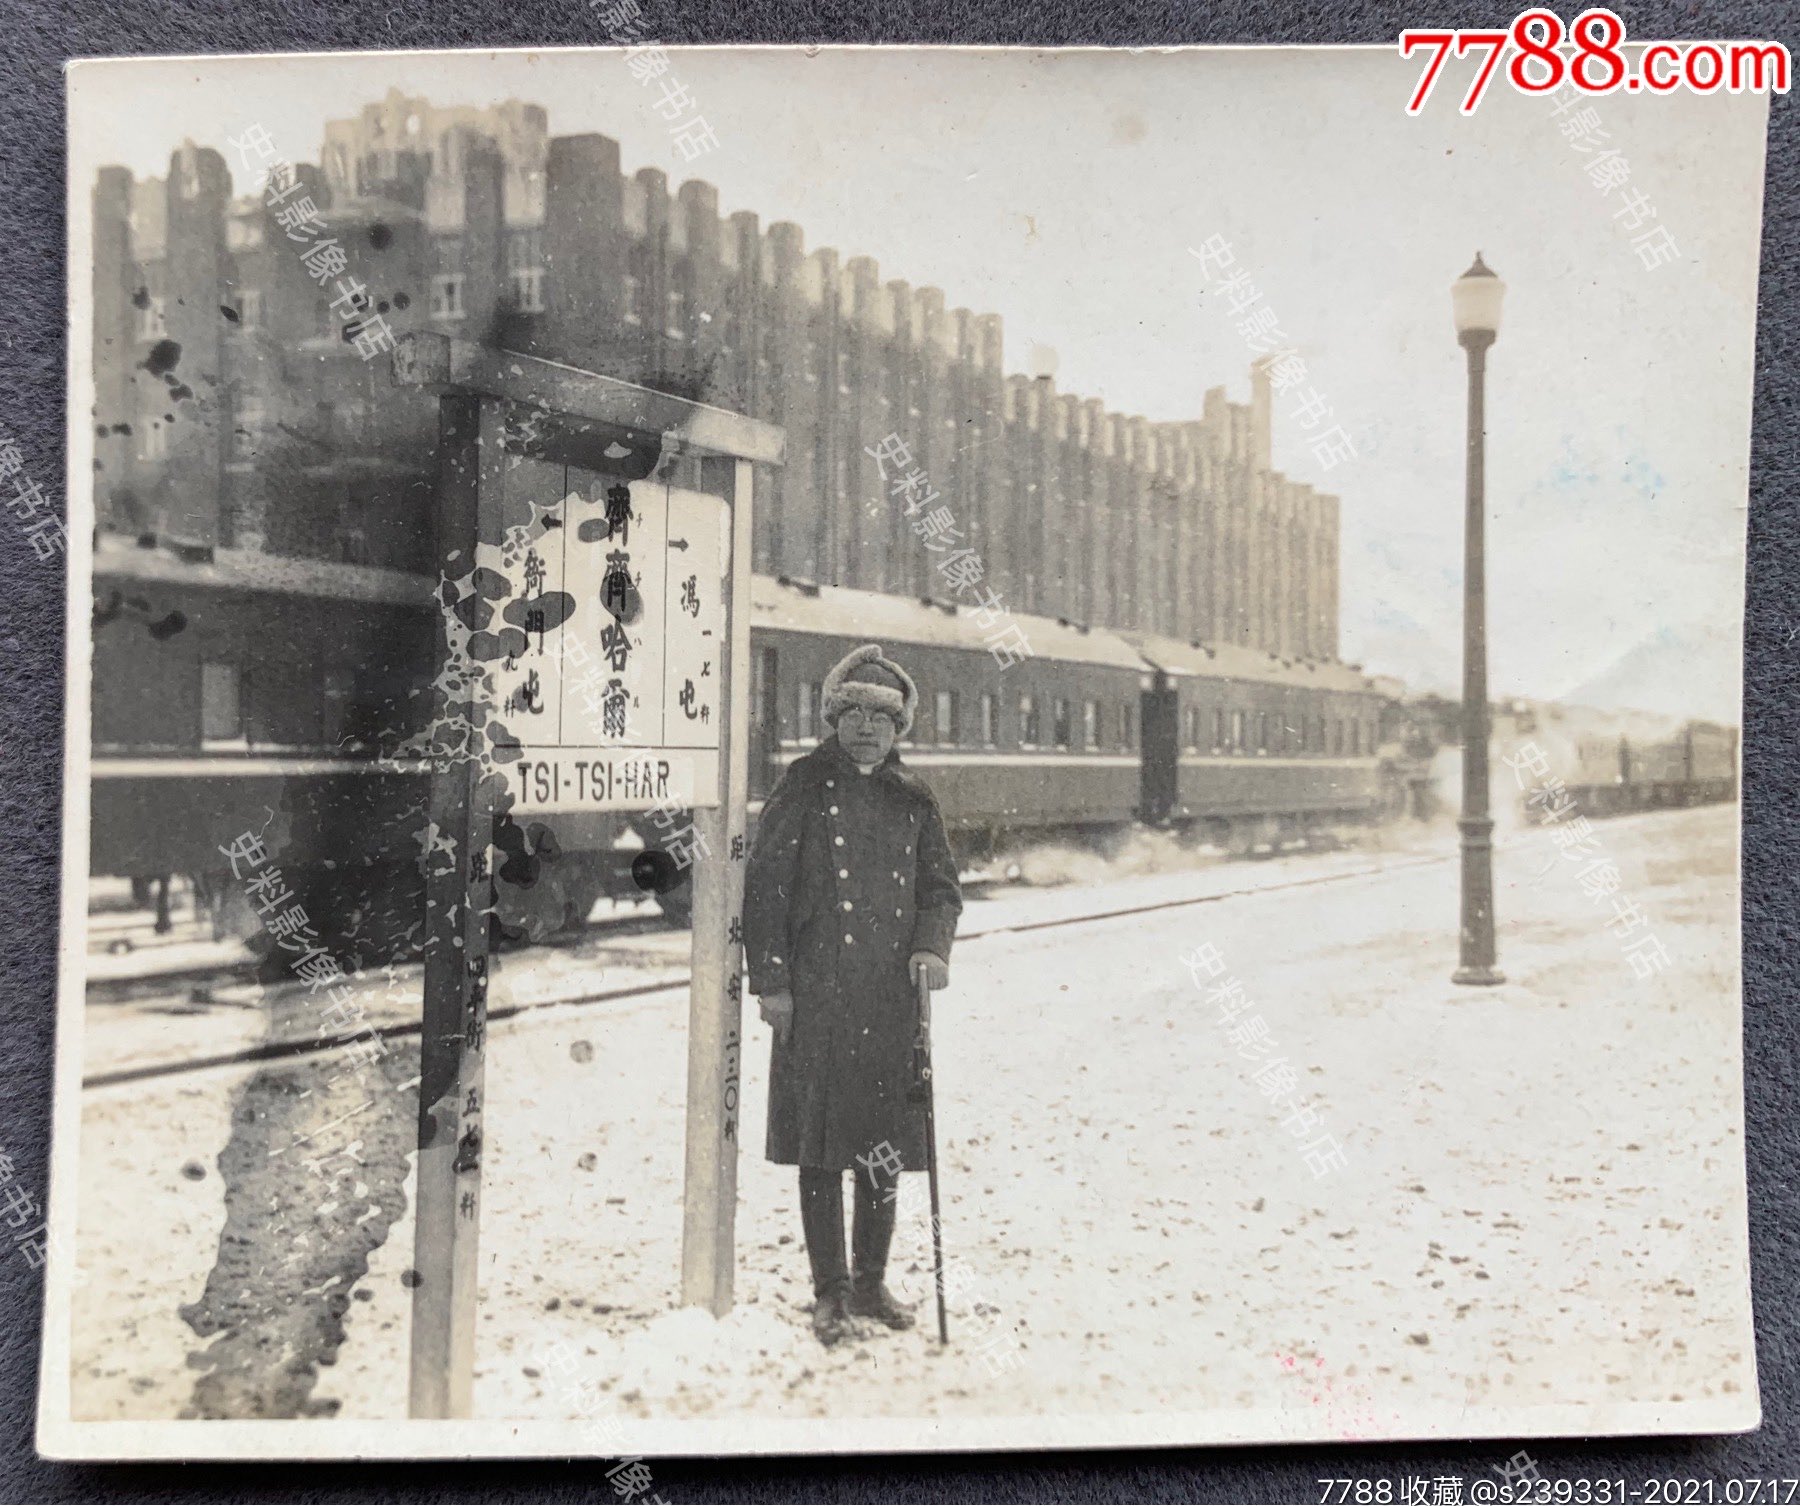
{"x": 249, "y": 419}
{"x": 809, "y": 358}
{"x": 525, "y": 270}
{"x": 990, "y": 719}
{"x": 528, "y": 290}
{"x": 1028, "y": 721}
{"x": 221, "y": 703}
{"x": 244, "y": 232}
{"x": 631, "y": 300}
{"x": 809, "y": 708}
{"x": 949, "y": 729}
{"x": 676, "y": 323}
{"x": 152, "y": 320}
{"x": 1356, "y": 737}
{"x": 250, "y": 308}
{"x": 1090, "y": 724}
{"x": 447, "y": 296}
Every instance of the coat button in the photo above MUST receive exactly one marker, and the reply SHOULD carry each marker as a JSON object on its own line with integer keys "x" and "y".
{"x": 834, "y": 810}
{"x": 840, "y": 842}
{"x": 908, "y": 845}
{"x": 849, "y": 940}
{"x": 902, "y": 883}
{"x": 831, "y": 784}
{"x": 843, "y": 873}
{"x": 896, "y": 914}
{"x": 848, "y": 905}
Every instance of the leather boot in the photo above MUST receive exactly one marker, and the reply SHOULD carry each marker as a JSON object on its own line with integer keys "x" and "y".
{"x": 871, "y": 1236}
{"x": 822, "y": 1219}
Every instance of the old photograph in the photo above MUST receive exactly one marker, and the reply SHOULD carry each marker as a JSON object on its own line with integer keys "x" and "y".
{"x": 859, "y": 749}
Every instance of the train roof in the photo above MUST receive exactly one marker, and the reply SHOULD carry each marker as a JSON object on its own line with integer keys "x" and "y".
{"x": 255, "y": 570}
{"x": 776, "y": 602}
{"x": 784, "y": 604}
{"x": 1602, "y": 721}
{"x": 1234, "y": 661}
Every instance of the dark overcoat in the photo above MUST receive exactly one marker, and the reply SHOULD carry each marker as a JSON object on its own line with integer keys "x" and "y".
{"x": 850, "y": 875}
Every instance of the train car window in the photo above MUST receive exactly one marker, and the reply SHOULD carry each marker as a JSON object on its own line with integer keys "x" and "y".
{"x": 335, "y": 689}
{"x": 809, "y": 709}
{"x": 1300, "y": 734}
{"x": 765, "y": 709}
{"x": 1191, "y": 725}
{"x": 1128, "y": 725}
{"x": 990, "y": 719}
{"x": 1218, "y": 741}
{"x": 1090, "y": 724}
{"x": 1237, "y": 732}
{"x": 221, "y": 703}
{"x": 1355, "y": 736}
{"x": 1062, "y": 726}
{"x": 949, "y": 728}
{"x": 1028, "y": 722}
{"x": 1262, "y": 732}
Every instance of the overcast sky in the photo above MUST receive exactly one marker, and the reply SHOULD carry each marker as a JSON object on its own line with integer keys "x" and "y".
{"x": 1063, "y": 191}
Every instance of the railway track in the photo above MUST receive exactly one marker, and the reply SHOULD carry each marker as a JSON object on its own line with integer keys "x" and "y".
{"x": 320, "y": 1045}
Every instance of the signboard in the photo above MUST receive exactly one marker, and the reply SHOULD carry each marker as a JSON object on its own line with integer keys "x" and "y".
{"x": 611, "y": 699}
{"x": 596, "y": 617}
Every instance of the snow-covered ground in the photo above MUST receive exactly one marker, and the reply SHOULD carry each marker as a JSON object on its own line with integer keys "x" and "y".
{"x": 1540, "y": 1201}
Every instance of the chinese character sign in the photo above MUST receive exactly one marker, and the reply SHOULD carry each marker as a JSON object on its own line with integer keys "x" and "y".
{"x": 611, "y": 691}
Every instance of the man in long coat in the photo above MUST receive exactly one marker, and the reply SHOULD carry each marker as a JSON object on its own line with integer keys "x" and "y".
{"x": 851, "y": 895}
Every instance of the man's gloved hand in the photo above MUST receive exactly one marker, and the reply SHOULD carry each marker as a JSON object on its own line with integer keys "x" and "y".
{"x": 778, "y": 1013}
{"x": 935, "y": 969}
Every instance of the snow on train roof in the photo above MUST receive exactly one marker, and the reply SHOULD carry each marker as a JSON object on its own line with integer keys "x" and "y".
{"x": 1234, "y": 661}
{"x": 802, "y": 607}
{"x": 255, "y": 570}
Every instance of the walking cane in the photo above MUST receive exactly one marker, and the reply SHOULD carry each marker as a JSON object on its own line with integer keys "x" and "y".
{"x": 922, "y": 1088}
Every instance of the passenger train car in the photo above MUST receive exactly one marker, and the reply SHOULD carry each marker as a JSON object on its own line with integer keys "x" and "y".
{"x": 236, "y": 691}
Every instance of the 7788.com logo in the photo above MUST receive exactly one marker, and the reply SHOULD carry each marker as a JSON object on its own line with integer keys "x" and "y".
{"x": 1590, "y": 55}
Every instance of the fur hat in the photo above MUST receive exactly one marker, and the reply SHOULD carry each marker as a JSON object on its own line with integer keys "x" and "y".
{"x": 866, "y": 677}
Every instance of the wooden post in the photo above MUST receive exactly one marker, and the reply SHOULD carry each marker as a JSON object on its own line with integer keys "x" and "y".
{"x": 448, "y": 1198}
{"x": 715, "y": 993}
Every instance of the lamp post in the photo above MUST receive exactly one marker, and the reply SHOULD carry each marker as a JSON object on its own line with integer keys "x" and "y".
{"x": 1475, "y": 299}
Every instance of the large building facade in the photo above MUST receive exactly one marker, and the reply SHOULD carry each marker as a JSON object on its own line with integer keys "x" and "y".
{"x": 233, "y": 407}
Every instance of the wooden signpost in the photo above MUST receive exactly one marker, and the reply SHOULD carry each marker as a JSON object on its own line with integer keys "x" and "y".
{"x": 593, "y": 544}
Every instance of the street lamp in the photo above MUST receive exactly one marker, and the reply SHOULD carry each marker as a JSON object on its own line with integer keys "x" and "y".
{"x": 1475, "y": 298}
